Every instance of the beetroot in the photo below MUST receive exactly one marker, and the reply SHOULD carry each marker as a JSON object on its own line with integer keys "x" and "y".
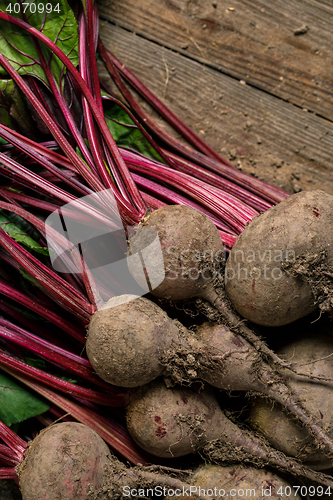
{"x": 132, "y": 343}
{"x": 126, "y": 340}
{"x": 65, "y": 461}
{"x": 71, "y": 461}
{"x": 174, "y": 422}
{"x": 280, "y": 267}
{"x": 312, "y": 353}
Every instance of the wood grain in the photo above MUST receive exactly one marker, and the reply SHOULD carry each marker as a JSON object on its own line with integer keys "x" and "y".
{"x": 255, "y": 42}
{"x": 264, "y": 135}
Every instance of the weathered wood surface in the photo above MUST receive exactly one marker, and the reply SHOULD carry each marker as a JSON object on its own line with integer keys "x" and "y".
{"x": 256, "y": 41}
{"x": 250, "y": 101}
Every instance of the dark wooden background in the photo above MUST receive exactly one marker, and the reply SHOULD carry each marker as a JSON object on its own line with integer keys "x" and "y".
{"x": 253, "y": 77}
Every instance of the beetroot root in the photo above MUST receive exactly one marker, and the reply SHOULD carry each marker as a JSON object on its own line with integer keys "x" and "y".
{"x": 178, "y": 421}
{"x": 71, "y": 461}
{"x": 132, "y": 343}
{"x": 140, "y": 331}
{"x": 65, "y": 461}
{"x": 273, "y": 267}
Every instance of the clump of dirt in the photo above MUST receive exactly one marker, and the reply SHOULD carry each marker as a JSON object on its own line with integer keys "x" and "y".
{"x": 314, "y": 270}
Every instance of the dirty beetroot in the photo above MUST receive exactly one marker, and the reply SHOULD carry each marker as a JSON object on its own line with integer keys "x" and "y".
{"x": 178, "y": 421}
{"x": 131, "y": 341}
{"x": 71, "y": 461}
{"x": 149, "y": 344}
{"x": 280, "y": 268}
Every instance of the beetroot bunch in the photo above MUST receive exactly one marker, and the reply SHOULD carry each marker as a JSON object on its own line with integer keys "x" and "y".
{"x": 85, "y": 223}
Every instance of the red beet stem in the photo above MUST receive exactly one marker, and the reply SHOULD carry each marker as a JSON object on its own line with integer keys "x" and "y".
{"x": 112, "y": 432}
{"x": 135, "y": 195}
{"x": 110, "y": 60}
{"x": 15, "y": 443}
{"x": 60, "y": 384}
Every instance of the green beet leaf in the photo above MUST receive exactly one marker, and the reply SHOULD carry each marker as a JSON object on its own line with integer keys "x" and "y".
{"x": 14, "y": 111}
{"x": 125, "y": 132}
{"x": 56, "y": 20}
{"x": 17, "y": 228}
{"x": 17, "y": 402}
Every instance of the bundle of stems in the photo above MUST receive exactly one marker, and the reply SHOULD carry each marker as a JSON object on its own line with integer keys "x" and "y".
{"x": 45, "y": 311}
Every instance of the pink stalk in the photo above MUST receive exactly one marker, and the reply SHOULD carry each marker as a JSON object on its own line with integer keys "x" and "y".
{"x": 176, "y": 198}
{"x": 92, "y": 23}
{"x": 232, "y": 211}
{"x": 72, "y": 279}
{"x": 38, "y": 224}
{"x": 8, "y": 326}
{"x": 7, "y": 473}
{"x": 45, "y": 275}
{"x": 59, "y": 239}
{"x": 152, "y": 202}
{"x": 157, "y": 104}
{"x": 262, "y": 189}
{"x": 7, "y": 456}
{"x": 14, "y": 294}
{"x": 6, "y": 196}
{"x": 62, "y": 385}
{"x": 52, "y": 284}
{"x": 228, "y": 239}
{"x": 42, "y": 149}
{"x": 66, "y": 113}
{"x": 115, "y": 435}
{"x": 45, "y": 206}
{"x": 94, "y": 138}
{"x": 51, "y": 125}
{"x": 52, "y": 178}
{"x": 30, "y": 324}
{"x": 218, "y": 181}
{"x": 246, "y": 211}
{"x": 40, "y": 184}
{"x": 55, "y": 355}
{"x": 14, "y": 442}
{"x": 135, "y": 195}
{"x": 127, "y": 211}
{"x": 95, "y": 143}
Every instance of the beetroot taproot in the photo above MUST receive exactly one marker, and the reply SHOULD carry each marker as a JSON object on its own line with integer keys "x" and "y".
{"x": 314, "y": 355}
{"x": 280, "y": 267}
{"x": 177, "y": 421}
{"x": 135, "y": 341}
{"x": 71, "y": 461}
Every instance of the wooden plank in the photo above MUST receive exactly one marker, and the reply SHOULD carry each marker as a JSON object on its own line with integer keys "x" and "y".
{"x": 255, "y": 42}
{"x": 263, "y": 135}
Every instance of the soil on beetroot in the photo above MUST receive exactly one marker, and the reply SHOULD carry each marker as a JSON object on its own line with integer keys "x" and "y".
{"x": 270, "y": 167}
